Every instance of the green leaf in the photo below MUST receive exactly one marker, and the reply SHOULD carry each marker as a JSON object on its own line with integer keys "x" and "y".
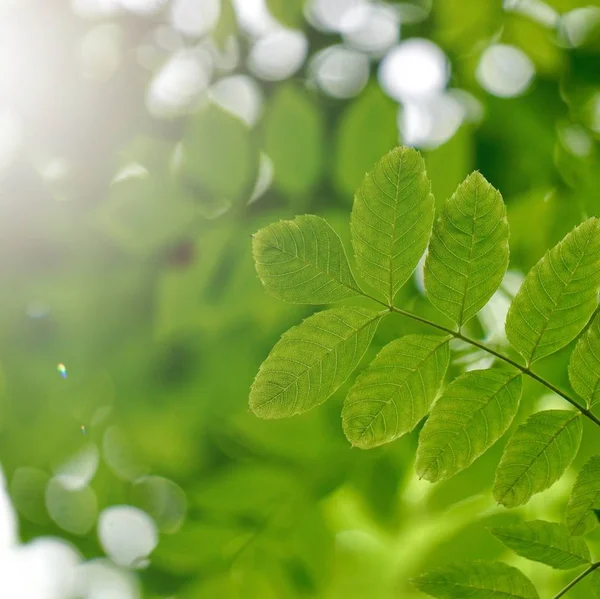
{"x": 477, "y": 580}
{"x": 311, "y": 361}
{"x": 537, "y": 455}
{"x": 219, "y": 155}
{"x": 546, "y": 542}
{"x": 474, "y": 411}
{"x": 580, "y": 516}
{"x": 294, "y": 140}
{"x": 366, "y": 131}
{"x": 468, "y": 251}
{"x": 558, "y": 296}
{"x": 392, "y": 219}
{"x": 303, "y": 261}
{"x": 395, "y": 392}
{"x": 287, "y": 12}
{"x": 584, "y": 365}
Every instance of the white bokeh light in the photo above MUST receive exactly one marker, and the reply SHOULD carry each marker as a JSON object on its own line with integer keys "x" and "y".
{"x": 331, "y": 15}
{"x": 254, "y": 18}
{"x": 240, "y": 95}
{"x": 264, "y": 179}
{"x": 78, "y": 471}
{"x": 577, "y": 25}
{"x": 278, "y": 55}
{"x": 194, "y": 18}
{"x": 372, "y": 28}
{"x": 143, "y": 7}
{"x": 179, "y": 83}
{"x": 127, "y": 535}
{"x": 504, "y": 71}
{"x": 430, "y": 123}
{"x": 100, "y": 579}
{"x": 339, "y": 71}
{"x": 414, "y": 70}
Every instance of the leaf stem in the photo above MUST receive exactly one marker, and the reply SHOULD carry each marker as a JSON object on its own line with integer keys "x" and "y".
{"x": 576, "y": 580}
{"x": 524, "y": 369}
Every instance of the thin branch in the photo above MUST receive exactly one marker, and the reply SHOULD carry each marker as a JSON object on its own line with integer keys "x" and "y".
{"x": 578, "y": 579}
{"x": 524, "y": 369}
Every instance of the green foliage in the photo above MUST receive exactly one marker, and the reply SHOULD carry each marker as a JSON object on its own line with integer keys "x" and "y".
{"x": 366, "y": 131}
{"x": 219, "y": 155}
{"x": 396, "y": 391}
{"x": 311, "y": 361}
{"x": 294, "y": 266}
{"x": 584, "y": 365}
{"x": 468, "y": 251}
{"x": 558, "y": 296}
{"x": 537, "y": 455}
{"x": 474, "y": 411}
{"x": 580, "y": 517}
{"x": 293, "y": 140}
{"x": 391, "y": 220}
{"x": 477, "y": 580}
{"x": 545, "y": 542}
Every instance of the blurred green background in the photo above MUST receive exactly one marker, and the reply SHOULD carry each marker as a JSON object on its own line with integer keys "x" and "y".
{"x": 142, "y": 142}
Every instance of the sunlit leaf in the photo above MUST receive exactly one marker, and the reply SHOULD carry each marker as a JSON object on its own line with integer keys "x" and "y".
{"x": 537, "y": 455}
{"x": 311, "y": 361}
{"x": 584, "y": 365}
{"x": 468, "y": 251}
{"x": 294, "y": 140}
{"x": 477, "y": 580}
{"x": 365, "y": 132}
{"x": 580, "y": 517}
{"x": 474, "y": 411}
{"x": 303, "y": 261}
{"x": 558, "y": 296}
{"x": 546, "y": 542}
{"x": 392, "y": 219}
{"x": 395, "y": 392}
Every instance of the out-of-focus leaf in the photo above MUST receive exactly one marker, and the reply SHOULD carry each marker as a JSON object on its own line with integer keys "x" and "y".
{"x": 558, "y": 296}
{"x": 391, "y": 220}
{"x": 474, "y": 411}
{"x": 477, "y": 580}
{"x": 395, "y": 392}
{"x": 145, "y": 213}
{"x": 365, "y": 132}
{"x": 537, "y": 455}
{"x": 303, "y": 261}
{"x": 311, "y": 361}
{"x": 545, "y": 542}
{"x": 293, "y": 139}
{"x": 218, "y": 155}
{"x": 287, "y": 12}
{"x": 580, "y": 517}
{"x": 584, "y": 365}
{"x": 468, "y": 251}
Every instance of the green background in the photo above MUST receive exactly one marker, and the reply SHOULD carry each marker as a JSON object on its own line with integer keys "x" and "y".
{"x": 146, "y": 291}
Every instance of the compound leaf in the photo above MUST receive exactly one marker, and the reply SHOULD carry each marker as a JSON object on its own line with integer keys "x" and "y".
{"x": 311, "y": 361}
{"x": 546, "y": 542}
{"x": 477, "y": 580}
{"x": 584, "y": 365}
{"x": 303, "y": 261}
{"x": 392, "y": 219}
{"x": 468, "y": 251}
{"x": 474, "y": 411}
{"x": 395, "y": 392}
{"x": 580, "y": 516}
{"x": 558, "y": 296}
{"x": 537, "y": 455}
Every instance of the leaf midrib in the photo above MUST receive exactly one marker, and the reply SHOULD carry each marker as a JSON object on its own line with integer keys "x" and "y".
{"x": 355, "y": 288}
{"x": 318, "y": 361}
{"x": 518, "y": 479}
